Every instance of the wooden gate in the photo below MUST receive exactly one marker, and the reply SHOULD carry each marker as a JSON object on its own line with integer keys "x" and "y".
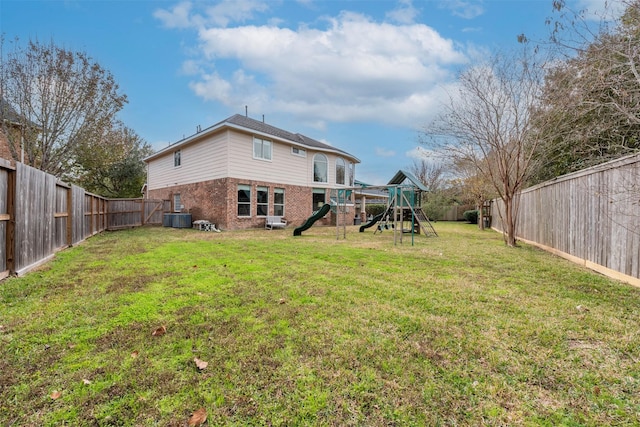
{"x": 125, "y": 213}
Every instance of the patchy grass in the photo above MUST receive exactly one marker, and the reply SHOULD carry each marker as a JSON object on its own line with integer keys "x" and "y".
{"x": 455, "y": 330}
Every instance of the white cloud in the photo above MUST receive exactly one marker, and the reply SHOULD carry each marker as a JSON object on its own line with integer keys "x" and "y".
{"x": 327, "y": 74}
{"x": 178, "y": 17}
{"x": 597, "y": 10}
{"x": 221, "y": 13}
{"x": 405, "y": 13}
{"x": 467, "y": 9}
{"x": 382, "y": 152}
{"x": 228, "y": 11}
{"x": 421, "y": 153}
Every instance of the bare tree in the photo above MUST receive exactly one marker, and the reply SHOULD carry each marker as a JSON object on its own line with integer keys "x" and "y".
{"x": 60, "y": 98}
{"x": 431, "y": 173}
{"x": 487, "y": 124}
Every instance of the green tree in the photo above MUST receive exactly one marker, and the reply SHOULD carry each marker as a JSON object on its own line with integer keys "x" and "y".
{"x": 112, "y": 165}
{"x": 590, "y": 109}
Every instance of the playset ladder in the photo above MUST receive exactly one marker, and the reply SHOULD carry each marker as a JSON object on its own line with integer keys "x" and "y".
{"x": 425, "y": 224}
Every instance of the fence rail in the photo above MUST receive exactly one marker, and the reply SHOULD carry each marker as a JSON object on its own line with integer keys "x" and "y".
{"x": 591, "y": 217}
{"x": 40, "y": 215}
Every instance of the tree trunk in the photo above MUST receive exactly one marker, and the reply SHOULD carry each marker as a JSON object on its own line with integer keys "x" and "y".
{"x": 510, "y": 222}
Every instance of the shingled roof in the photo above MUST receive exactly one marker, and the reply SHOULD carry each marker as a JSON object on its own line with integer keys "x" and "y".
{"x": 296, "y": 138}
{"x": 247, "y": 124}
{"x": 8, "y": 113}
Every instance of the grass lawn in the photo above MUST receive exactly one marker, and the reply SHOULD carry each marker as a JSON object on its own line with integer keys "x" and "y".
{"x": 455, "y": 330}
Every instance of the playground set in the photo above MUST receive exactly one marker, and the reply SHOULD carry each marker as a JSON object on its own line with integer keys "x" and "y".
{"x": 403, "y": 214}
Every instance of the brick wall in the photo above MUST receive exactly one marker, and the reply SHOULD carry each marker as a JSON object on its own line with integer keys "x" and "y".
{"x": 5, "y": 152}
{"x": 217, "y": 201}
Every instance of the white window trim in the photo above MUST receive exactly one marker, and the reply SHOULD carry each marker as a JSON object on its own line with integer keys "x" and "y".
{"x": 282, "y": 191}
{"x": 344, "y": 171}
{"x": 244, "y": 203}
{"x": 258, "y": 204}
{"x": 313, "y": 168}
{"x": 253, "y": 150}
{"x": 301, "y": 151}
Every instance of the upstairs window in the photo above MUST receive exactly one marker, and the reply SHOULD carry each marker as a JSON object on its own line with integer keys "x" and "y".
{"x": 340, "y": 170}
{"x": 177, "y": 160}
{"x": 351, "y": 174}
{"x": 320, "y": 171}
{"x": 298, "y": 152}
{"x": 261, "y": 149}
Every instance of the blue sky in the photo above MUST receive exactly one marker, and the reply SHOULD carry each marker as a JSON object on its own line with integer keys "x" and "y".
{"x": 362, "y": 75}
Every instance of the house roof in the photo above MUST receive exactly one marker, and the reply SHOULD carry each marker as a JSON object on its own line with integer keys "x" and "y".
{"x": 8, "y": 113}
{"x": 402, "y": 176}
{"x": 247, "y": 124}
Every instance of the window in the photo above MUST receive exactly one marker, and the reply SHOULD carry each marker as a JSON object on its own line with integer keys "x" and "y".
{"x": 298, "y": 152}
{"x": 262, "y": 200}
{"x": 177, "y": 160}
{"x": 320, "y": 168}
{"x": 177, "y": 204}
{"x": 318, "y": 198}
{"x": 340, "y": 170}
{"x": 244, "y": 200}
{"x": 261, "y": 149}
{"x": 351, "y": 174}
{"x": 278, "y": 201}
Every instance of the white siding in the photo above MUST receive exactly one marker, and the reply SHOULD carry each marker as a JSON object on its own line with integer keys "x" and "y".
{"x": 283, "y": 168}
{"x": 200, "y": 161}
{"x": 230, "y": 154}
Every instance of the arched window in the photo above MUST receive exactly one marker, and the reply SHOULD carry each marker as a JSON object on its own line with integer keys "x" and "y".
{"x": 340, "y": 170}
{"x": 320, "y": 172}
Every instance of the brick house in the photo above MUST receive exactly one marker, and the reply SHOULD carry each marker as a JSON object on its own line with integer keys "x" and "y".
{"x": 240, "y": 170}
{"x": 10, "y": 127}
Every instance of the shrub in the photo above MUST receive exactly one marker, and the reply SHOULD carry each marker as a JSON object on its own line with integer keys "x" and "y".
{"x": 375, "y": 209}
{"x": 471, "y": 216}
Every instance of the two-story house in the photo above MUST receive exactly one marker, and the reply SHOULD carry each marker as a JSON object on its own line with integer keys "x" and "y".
{"x": 240, "y": 170}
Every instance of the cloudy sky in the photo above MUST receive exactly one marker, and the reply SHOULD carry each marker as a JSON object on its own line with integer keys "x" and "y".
{"x": 362, "y": 75}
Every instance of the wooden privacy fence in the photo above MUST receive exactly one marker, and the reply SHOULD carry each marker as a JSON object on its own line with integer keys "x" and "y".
{"x": 591, "y": 217}
{"x": 40, "y": 215}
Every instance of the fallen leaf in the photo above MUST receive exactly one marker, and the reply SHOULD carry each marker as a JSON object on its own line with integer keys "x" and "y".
{"x": 86, "y": 381}
{"x": 160, "y": 331}
{"x": 596, "y": 391}
{"x": 135, "y": 354}
{"x": 201, "y": 364}
{"x": 198, "y": 418}
{"x": 55, "y": 394}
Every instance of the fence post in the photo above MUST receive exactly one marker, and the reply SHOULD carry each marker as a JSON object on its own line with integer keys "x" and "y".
{"x": 11, "y": 211}
{"x": 69, "y": 216}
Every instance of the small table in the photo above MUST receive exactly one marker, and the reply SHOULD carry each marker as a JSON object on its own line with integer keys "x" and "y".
{"x": 204, "y": 225}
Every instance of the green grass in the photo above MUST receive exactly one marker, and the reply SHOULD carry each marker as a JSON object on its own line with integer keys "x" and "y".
{"x": 454, "y": 330}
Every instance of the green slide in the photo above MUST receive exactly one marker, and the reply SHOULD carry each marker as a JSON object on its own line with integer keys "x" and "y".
{"x": 313, "y": 218}
{"x": 371, "y": 223}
